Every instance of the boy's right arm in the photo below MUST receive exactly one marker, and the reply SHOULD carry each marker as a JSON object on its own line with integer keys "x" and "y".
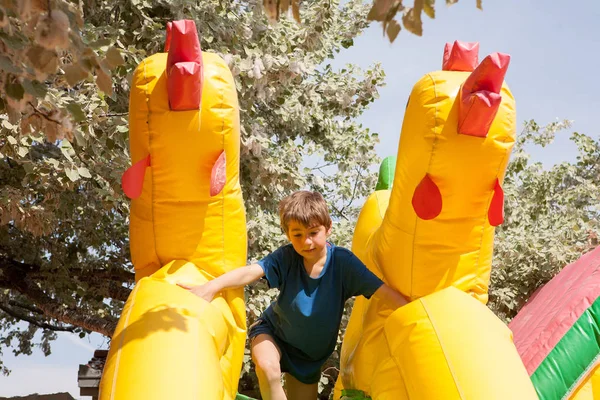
{"x": 233, "y": 279}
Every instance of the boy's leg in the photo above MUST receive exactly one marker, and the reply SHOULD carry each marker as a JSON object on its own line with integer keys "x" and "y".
{"x": 297, "y": 390}
{"x": 266, "y": 357}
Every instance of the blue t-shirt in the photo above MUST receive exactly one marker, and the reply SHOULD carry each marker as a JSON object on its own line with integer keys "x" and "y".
{"x": 308, "y": 311}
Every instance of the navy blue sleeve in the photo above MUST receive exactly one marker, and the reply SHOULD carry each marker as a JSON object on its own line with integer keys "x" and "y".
{"x": 358, "y": 279}
{"x": 275, "y": 266}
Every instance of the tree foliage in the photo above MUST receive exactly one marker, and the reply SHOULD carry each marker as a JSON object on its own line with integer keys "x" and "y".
{"x": 551, "y": 217}
{"x": 384, "y": 11}
{"x": 65, "y": 69}
{"x": 64, "y": 257}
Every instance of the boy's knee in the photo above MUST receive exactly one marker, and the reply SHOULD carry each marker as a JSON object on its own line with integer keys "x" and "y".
{"x": 269, "y": 368}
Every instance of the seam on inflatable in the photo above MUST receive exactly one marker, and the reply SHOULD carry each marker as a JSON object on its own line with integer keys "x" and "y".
{"x": 486, "y": 214}
{"x": 120, "y": 348}
{"x": 595, "y": 362}
{"x": 222, "y": 195}
{"x": 151, "y": 168}
{"x": 396, "y": 363}
{"x": 373, "y": 253}
{"x": 450, "y": 368}
{"x": 433, "y": 145}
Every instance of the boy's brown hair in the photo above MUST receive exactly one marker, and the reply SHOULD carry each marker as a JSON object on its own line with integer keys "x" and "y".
{"x": 305, "y": 207}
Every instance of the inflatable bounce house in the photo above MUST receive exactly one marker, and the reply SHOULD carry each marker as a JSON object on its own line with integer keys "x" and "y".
{"x": 557, "y": 333}
{"x": 427, "y": 231}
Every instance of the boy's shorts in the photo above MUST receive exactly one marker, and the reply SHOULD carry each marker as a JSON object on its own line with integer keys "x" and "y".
{"x": 308, "y": 372}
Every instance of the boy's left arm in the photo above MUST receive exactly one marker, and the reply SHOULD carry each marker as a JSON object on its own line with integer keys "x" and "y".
{"x": 391, "y": 297}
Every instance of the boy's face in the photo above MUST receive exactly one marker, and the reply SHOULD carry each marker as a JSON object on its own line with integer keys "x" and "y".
{"x": 308, "y": 241}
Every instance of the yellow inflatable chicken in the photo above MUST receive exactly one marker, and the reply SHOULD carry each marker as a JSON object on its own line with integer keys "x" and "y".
{"x": 431, "y": 238}
{"x": 187, "y": 225}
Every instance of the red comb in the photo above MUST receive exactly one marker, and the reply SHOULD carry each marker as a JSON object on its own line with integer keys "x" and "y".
{"x": 184, "y": 66}
{"x": 480, "y": 95}
{"x": 460, "y": 56}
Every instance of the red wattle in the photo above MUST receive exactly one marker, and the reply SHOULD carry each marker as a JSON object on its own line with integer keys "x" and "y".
{"x": 427, "y": 199}
{"x": 496, "y": 211}
{"x": 218, "y": 175}
{"x": 132, "y": 181}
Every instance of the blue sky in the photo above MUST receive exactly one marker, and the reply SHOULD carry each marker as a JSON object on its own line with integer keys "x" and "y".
{"x": 555, "y": 50}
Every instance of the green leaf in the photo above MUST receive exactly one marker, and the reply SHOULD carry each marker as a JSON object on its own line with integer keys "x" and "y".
{"x": 22, "y": 151}
{"x": 15, "y": 42}
{"x": 43, "y": 60}
{"x": 114, "y": 58}
{"x": 28, "y": 167}
{"x": 15, "y": 90}
{"x": 79, "y": 138}
{"x": 75, "y": 73}
{"x": 412, "y": 21}
{"x": 84, "y": 172}
{"x": 35, "y": 88}
{"x": 100, "y": 43}
{"x": 429, "y": 8}
{"x": 393, "y": 29}
{"x": 104, "y": 81}
{"x": 7, "y": 65}
{"x": 66, "y": 150}
{"x": 72, "y": 174}
{"x": 347, "y": 43}
{"x": 76, "y": 112}
{"x": 383, "y": 10}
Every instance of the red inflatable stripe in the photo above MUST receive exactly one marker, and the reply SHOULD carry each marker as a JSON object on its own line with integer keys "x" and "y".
{"x": 552, "y": 310}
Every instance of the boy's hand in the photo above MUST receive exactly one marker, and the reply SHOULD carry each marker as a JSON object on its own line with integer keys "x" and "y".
{"x": 206, "y": 291}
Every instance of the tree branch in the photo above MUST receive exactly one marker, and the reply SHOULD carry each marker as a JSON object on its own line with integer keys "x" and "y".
{"x": 114, "y": 114}
{"x": 16, "y": 274}
{"x": 15, "y": 314}
{"x": 87, "y": 275}
{"x": 42, "y": 114}
{"x": 27, "y": 307}
{"x": 352, "y": 197}
{"x": 118, "y": 292}
{"x": 340, "y": 212}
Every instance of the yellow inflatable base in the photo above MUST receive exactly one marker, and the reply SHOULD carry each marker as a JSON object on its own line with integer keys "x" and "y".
{"x": 171, "y": 344}
{"x": 589, "y": 389}
{"x": 449, "y": 338}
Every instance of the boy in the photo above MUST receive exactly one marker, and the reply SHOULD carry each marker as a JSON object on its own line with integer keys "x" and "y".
{"x": 298, "y": 332}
